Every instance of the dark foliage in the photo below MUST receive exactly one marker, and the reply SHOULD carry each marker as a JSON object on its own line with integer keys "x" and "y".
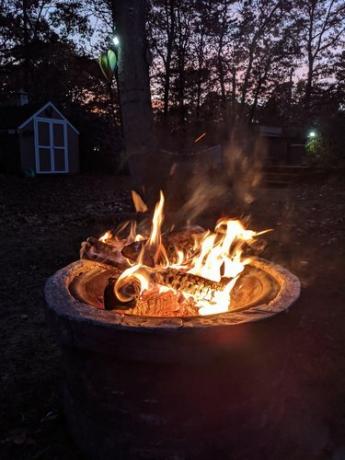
{"x": 213, "y": 63}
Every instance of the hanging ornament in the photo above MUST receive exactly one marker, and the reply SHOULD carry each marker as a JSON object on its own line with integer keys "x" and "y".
{"x": 108, "y": 63}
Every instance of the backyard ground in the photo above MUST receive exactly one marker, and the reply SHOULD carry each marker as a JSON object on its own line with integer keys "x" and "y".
{"x": 43, "y": 221}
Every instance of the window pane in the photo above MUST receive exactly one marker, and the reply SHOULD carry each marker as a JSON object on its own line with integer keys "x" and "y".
{"x": 58, "y": 135}
{"x": 59, "y": 159}
{"x": 43, "y": 133}
{"x": 44, "y": 160}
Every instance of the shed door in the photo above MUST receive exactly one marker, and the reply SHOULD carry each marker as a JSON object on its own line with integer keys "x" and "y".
{"x": 51, "y": 146}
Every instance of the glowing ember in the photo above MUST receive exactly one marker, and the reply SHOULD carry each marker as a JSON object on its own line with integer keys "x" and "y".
{"x": 204, "y": 273}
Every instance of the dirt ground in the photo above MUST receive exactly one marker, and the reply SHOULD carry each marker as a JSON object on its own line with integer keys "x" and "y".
{"x": 43, "y": 222}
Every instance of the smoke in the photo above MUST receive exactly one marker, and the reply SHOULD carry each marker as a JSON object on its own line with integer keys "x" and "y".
{"x": 243, "y": 161}
{"x": 218, "y": 181}
{"x": 203, "y": 195}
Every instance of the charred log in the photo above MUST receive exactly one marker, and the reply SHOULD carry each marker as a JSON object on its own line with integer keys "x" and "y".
{"x": 96, "y": 250}
{"x": 183, "y": 240}
{"x": 116, "y": 254}
{"x": 133, "y": 250}
{"x": 111, "y": 301}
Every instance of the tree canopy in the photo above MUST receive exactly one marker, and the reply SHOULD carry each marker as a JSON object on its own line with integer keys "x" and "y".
{"x": 212, "y": 62}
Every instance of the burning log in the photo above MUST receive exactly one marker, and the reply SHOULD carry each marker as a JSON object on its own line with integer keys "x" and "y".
{"x": 129, "y": 288}
{"x": 111, "y": 301}
{"x": 184, "y": 262}
{"x": 191, "y": 285}
{"x": 94, "y": 249}
{"x": 182, "y": 239}
{"x": 150, "y": 303}
{"x": 131, "y": 252}
{"x": 167, "y": 304}
{"x": 116, "y": 254}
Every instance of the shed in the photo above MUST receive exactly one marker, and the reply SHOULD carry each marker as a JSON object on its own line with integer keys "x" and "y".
{"x": 285, "y": 145}
{"x": 38, "y": 139}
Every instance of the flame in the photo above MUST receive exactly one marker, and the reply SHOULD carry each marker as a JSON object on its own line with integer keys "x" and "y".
{"x": 157, "y": 221}
{"x": 139, "y": 204}
{"x": 136, "y": 278}
{"x": 106, "y": 236}
{"x": 217, "y": 257}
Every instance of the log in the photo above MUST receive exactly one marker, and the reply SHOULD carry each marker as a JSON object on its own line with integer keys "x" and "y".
{"x": 96, "y": 250}
{"x": 167, "y": 304}
{"x": 131, "y": 252}
{"x": 190, "y": 285}
{"x": 193, "y": 285}
{"x": 182, "y": 239}
{"x": 111, "y": 302}
{"x": 150, "y": 303}
{"x": 115, "y": 252}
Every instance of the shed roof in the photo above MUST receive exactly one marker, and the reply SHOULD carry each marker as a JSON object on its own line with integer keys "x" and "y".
{"x": 14, "y": 117}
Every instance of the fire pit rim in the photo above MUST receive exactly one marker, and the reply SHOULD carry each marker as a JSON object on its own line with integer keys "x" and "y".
{"x": 61, "y": 301}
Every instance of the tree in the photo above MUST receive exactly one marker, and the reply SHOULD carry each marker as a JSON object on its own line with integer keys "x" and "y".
{"x": 163, "y": 35}
{"x": 51, "y": 61}
{"x": 216, "y": 63}
{"x": 261, "y": 44}
{"x": 134, "y": 84}
{"x": 29, "y": 30}
{"x": 323, "y": 22}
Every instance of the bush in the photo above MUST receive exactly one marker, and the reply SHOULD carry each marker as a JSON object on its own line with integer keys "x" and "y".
{"x": 327, "y": 148}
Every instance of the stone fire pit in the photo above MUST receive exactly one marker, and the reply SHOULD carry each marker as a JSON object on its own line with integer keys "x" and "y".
{"x": 165, "y": 388}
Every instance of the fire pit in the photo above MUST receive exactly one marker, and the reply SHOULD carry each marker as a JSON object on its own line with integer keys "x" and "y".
{"x": 158, "y": 363}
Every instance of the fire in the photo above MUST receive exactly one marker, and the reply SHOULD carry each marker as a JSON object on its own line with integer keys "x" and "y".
{"x": 207, "y": 274}
{"x": 155, "y": 239}
{"x": 138, "y": 202}
{"x": 106, "y": 236}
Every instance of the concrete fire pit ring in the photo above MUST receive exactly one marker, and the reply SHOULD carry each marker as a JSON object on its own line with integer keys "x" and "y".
{"x": 59, "y": 299}
{"x": 166, "y": 388}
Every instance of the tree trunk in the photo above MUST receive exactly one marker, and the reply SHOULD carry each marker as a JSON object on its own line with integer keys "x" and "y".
{"x": 233, "y": 96}
{"x": 181, "y": 88}
{"x": 262, "y": 79}
{"x": 199, "y": 81}
{"x": 167, "y": 85}
{"x": 134, "y": 86}
{"x": 198, "y": 99}
{"x": 222, "y": 89}
{"x": 309, "y": 84}
{"x": 247, "y": 76}
{"x": 221, "y": 77}
{"x": 27, "y": 73}
{"x": 255, "y": 102}
{"x": 171, "y": 37}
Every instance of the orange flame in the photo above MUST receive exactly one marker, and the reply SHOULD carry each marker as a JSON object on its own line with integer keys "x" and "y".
{"x": 157, "y": 221}
{"x": 217, "y": 256}
{"x": 105, "y": 237}
{"x": 139, "y": 204}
